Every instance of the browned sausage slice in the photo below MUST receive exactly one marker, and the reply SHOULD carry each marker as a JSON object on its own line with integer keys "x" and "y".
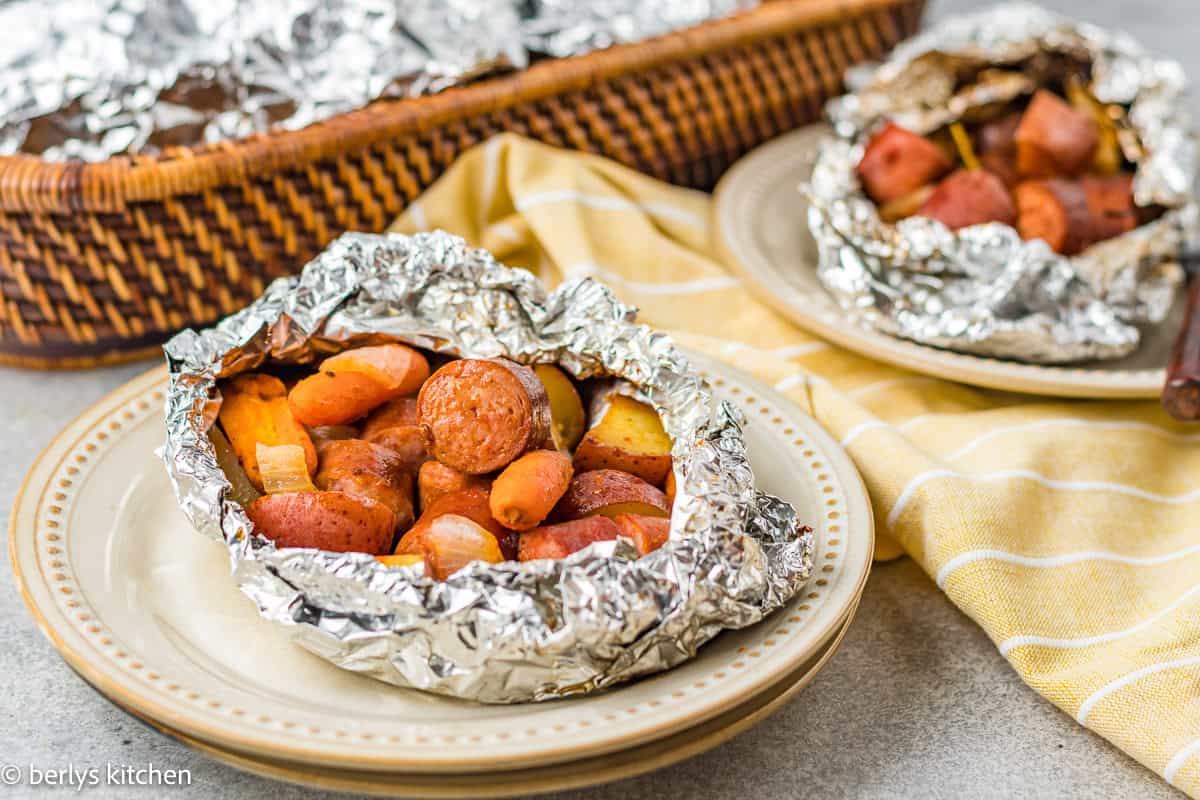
{"x": 1110, "y": 203}
{"x": 897, "y": 162}
{"x": 970, "y": 197}
{"x": 436, "y": 479}
{"x": 479, "y": 415}
{"x": 324, "y": 520}
{"x": 1054, "y": 139}
{"x": 362, "y": 469}
{"x": 1055, "y": 211}
{"x": 401, "y": 411}
{"x": 559, "y": 541}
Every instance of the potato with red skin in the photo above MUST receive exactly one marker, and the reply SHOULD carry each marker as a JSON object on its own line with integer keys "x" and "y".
{"x": 469, "y": 503}
{"x": 609, "y": 492}
{"x": 1055, "y": 211}
{"x": 897, "y": 162}
{"x": 565, "y": 538}
{"x": 324, "y": 520}
{"x": 970, "y": 197}
{"x": 352, "y": 383}
{"x": 1054, "y": 139}
{"x": 254, "y": 410}
{"x": 435, "y": 479}
{"x": 479, "y": 415}
{"x": 669, "y": 489}
{"x": 628, "y": 436}
{"x": 648, "y": 533}
{"x": 362, "y": 469}
{"x": 527, "y": 490}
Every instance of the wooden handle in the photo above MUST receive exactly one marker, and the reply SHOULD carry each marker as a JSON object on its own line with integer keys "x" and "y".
{"x": 1181, "y": 394}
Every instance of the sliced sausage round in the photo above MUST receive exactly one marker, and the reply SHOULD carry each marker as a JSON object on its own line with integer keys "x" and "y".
{"x": 478, "y": 415}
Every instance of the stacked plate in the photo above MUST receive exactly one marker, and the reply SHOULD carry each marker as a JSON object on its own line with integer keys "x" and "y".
{"x": 144, "y": 609}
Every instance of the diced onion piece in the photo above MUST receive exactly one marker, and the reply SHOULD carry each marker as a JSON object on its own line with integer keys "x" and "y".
{"x": 243, "y": 491}
{"x": 452, "y": 542}
{"x": 283, "y": 468}
{"x": 962, "y": 143}
{"x": 404, "y": 560}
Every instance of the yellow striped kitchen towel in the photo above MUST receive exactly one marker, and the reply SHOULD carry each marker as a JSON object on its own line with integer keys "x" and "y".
{"x": 1069, "y": 530}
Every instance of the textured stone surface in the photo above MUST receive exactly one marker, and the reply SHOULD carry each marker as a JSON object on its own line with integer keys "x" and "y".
{"x": 917, "y": 703}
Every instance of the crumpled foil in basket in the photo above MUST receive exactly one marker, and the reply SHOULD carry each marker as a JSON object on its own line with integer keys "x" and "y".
{"x": 494, "y": 633}
{"x": 90, "y": 79}
{"x": 983, "y": 290}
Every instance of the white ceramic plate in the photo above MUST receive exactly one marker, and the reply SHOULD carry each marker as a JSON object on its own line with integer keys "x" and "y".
{"x": 761, "y": 228}
{"x": 144, "y": 608}
{"x": 557, "y": 777}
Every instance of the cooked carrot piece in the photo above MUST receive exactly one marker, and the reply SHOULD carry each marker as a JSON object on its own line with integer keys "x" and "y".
{"x": 399, "y": 368}
{"x": 528, "y": 488}
{"x": 254, "y": 409}
{"x": 350, "y": 384}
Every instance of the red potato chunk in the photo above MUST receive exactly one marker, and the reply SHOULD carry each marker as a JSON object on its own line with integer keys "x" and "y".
{"x": 970, "y": 197}
{"x": 1054, "y": 139}
{"x": 332, "y": 521}
{"x": 897, "y": 162}
{"x": 609, "y": 492}
{"x": 563, "y": 539}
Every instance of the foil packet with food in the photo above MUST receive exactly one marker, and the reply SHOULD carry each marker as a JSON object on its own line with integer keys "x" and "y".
{"x": 394, "y": 448}
{"x": 1012, "y": 184}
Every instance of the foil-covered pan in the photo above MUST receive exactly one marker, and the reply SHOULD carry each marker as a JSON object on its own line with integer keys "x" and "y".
{"x": 982, "y": 289}
{"x": 91, "y": 79}
{"x": 494, "y": 633}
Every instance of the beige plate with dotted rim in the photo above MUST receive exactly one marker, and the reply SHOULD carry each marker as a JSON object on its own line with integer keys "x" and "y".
{"x": 762, "y": 231}
{"x": 557, "y": 777}
{"x": 145, "y": 610}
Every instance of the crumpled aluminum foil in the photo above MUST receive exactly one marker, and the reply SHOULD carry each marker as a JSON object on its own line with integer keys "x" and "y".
{"x": 93, "y": 78}
{"x": 568, "y": 27}
{"x": 983, "y": 290}
{"x": 89, "y": 79}
{"x": 495, "y": 633}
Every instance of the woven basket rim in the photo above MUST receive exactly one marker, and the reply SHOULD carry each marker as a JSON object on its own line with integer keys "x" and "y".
{"x": 30, "y": 184}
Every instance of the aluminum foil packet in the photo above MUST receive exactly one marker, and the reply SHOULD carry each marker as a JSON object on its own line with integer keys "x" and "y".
{"x": 90, "y": 79}
{"x": 983, "y": 290}
{"x": 568, "y": 27}
{"x": 500, "y": 633}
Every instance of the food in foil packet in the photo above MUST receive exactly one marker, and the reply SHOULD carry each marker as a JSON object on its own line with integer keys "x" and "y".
{"x": 90, "y": 79}
{"x": 394, "y": 448}
{"x": 1010, "y": 184}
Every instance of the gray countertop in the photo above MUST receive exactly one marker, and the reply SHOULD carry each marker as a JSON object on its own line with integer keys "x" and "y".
{"x": 916, "y": 703}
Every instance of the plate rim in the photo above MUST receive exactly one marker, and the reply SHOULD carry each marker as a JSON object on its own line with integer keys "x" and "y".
{"x": 25, "y": 514}
{"x": 607, "y": 768}
{"x": 990, "y": 373}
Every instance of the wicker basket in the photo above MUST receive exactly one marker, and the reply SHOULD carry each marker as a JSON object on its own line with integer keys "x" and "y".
{"x": 101, "y": 262}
